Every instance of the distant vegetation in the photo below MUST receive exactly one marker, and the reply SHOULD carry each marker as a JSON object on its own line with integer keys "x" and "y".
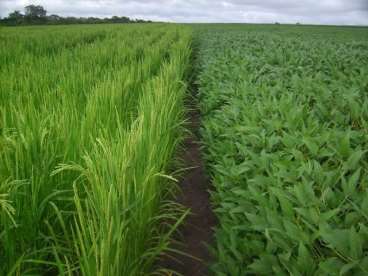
{"x": 37, "y": 15}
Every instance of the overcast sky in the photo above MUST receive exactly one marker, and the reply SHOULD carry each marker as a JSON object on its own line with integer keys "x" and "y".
{"x": 344, "y": 12}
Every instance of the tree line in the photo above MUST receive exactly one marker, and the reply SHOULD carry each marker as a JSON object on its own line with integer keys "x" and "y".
{"x": 37, "y": 15}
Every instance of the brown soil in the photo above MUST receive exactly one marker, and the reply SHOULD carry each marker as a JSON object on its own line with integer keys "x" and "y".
{"x": 196, "y": 233}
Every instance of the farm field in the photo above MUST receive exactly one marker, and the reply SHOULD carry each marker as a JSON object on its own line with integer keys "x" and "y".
{"x": 95, "y": 119}
{"x": 90, "y": 122}
{"x": 284, "y": 127}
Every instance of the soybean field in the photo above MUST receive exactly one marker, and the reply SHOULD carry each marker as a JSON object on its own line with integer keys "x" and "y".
{"x": 284, "y": 126}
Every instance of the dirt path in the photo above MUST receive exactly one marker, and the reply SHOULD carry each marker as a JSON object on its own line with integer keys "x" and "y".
{"x": 196, "y": 232}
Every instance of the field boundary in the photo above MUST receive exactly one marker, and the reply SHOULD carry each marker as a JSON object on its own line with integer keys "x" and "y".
{"x": 196, "y": 232}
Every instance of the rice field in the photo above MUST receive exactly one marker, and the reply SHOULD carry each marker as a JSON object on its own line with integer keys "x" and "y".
{"x": 94, "y": 120}
{"x": 90, "y": 122}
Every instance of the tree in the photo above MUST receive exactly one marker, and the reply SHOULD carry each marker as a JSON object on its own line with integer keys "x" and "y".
{"x": 15, "y": 15}
{"x": 38, "y": 15}
{"x": 115, "y": 19}
{"x": 15, "y": 18}
{"x": 54, "y": 19}
{"x": 33, "y": 11}
{"x": 35, "y": 14}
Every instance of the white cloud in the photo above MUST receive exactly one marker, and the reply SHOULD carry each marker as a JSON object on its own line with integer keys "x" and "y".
{"x": 349, "y": 12}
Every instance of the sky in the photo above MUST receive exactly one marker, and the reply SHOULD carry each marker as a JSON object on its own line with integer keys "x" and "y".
{"x": 333, "y": 12}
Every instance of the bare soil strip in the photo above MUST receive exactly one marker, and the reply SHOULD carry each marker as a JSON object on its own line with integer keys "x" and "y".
{"x": 197, "y": 230}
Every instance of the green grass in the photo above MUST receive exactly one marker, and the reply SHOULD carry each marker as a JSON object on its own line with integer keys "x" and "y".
{"x": 284, "y": 113}
{"x": 90, "y": 122}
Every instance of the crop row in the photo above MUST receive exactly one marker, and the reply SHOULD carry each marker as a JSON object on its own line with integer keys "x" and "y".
{"x": 285, "y": 119}
{"x": 90, "y": 120}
